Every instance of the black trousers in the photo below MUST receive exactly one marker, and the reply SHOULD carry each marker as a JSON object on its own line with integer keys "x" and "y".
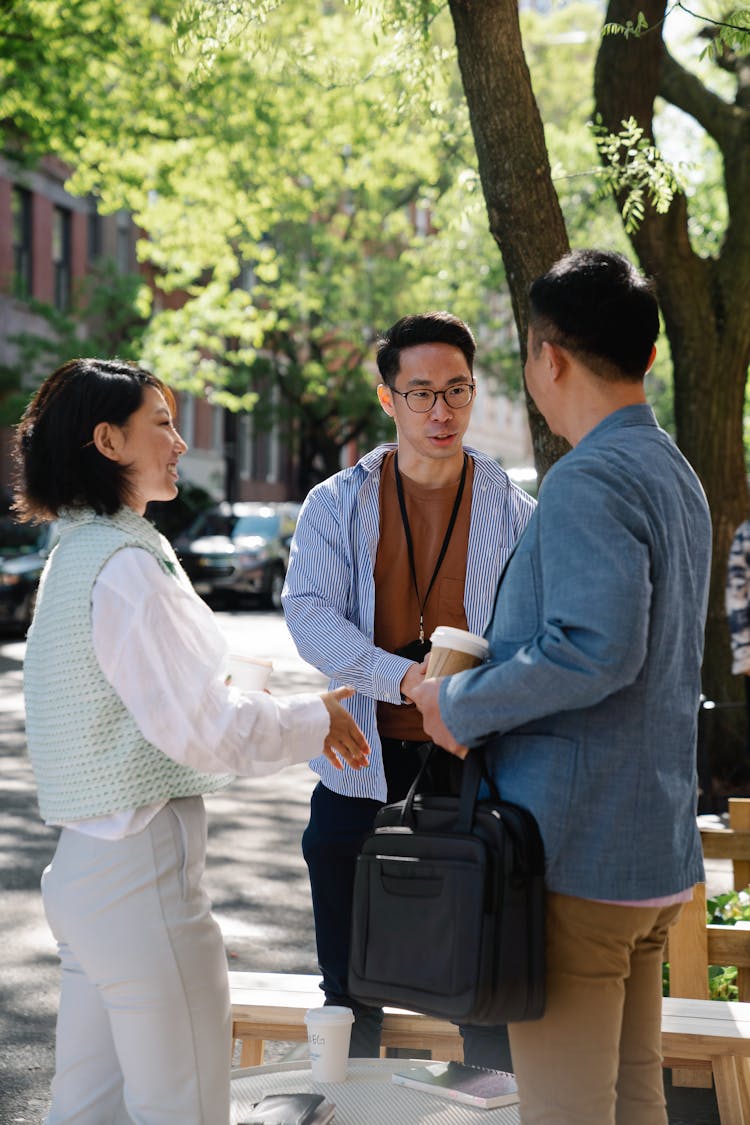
{"x": 330, "y": 844}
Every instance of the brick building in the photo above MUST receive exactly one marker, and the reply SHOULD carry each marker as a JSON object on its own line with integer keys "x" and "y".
{"x": 49, "y": 241}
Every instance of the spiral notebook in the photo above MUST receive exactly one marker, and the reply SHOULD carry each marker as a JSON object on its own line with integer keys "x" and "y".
{"x": 474, "y": 1085}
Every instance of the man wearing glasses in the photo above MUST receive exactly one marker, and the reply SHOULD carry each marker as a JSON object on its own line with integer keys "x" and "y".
{"x": 415, "y": 535}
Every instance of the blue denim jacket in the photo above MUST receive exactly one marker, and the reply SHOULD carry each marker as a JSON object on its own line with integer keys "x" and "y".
{"x": 590, "y": 698}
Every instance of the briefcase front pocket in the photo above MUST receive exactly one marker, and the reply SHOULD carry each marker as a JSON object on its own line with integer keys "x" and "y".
{"x": 418, "y": 916}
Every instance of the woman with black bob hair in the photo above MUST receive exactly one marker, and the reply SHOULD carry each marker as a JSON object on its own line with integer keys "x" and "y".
{"x": 129, "y": 722}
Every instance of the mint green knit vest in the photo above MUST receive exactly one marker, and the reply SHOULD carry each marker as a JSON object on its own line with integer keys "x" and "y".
{"x": 88, "y": 755}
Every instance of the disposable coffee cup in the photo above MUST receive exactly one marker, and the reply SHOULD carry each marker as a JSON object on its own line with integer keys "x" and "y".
{"x": 329, "y": 1030}
{"x": 455, "y": 650}
{"x": 248, "y": 673}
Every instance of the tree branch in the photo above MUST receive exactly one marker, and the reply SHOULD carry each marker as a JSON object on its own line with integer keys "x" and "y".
{"x": 683, "y": 90}
{"x": 707, "y": 19}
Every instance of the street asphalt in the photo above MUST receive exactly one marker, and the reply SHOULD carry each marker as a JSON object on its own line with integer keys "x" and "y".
{"x": 255, "y": 876}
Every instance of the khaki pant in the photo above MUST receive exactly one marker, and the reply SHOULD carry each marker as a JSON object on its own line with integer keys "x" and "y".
{"x": 595, "y": 1056}
{"x": 143, "y": 1032}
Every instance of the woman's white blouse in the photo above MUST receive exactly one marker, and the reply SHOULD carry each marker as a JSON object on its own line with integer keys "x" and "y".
{"x": 162, "y": 651}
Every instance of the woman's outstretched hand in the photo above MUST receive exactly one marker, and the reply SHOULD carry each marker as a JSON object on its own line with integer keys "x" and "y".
{"x": 344, "y": 741}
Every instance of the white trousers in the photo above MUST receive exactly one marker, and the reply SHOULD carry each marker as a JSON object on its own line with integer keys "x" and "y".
{"x": 143, "y": 1031}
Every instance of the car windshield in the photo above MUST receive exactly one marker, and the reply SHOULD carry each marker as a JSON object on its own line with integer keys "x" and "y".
{"x": 265, "y": 526}
{"x": 18, "y": 538}
{"x": 240, "y": 527}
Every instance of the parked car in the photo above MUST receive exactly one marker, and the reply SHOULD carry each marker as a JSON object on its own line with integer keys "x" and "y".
{"x": 239, "y": 549}
{"x": 23, "y": 552}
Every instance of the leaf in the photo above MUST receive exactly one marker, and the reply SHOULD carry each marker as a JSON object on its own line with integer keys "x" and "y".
{"x": 629, "y": 29}
{"x": 635, "y": 170}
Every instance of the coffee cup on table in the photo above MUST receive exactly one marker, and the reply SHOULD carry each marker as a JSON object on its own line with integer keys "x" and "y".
{"x": 248, "y": 673}
{"x": 455, "y": 650}
{"x": 329, "y": 1030}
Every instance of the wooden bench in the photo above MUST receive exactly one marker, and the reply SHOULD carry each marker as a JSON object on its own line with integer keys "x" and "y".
{"x": 272, "y": 1006}
{"x": 732, "y": 843}
{"x": 712, "y": 1036}
{"x": 726, "y": 945}
{"x": 693, "y": 945}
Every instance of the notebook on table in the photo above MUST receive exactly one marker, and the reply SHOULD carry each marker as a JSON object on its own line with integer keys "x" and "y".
{"x": 474, "y": 1085}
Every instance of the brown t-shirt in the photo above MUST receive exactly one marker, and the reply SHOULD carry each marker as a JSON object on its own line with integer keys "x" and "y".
{"x": 396, "y": 604}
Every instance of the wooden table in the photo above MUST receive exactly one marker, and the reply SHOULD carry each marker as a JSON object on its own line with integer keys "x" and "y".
{"x": 368, "y": 1097}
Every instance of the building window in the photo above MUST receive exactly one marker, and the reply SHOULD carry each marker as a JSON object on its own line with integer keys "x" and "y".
{"x": 245, "y": 446}
{"x": 122, "y": 252}
{"x": 186, "y": 418}
{"x": 22, "y": 236}
{"x": 61, "y": 257}
{"x": 246, "y": 278}
{"x": 274, "y": 440}
{"x": 261, "y": 460}
{"x": 94, "y": 234}
{"x": 422, "y": 221}
{"x": 217, "y": 430}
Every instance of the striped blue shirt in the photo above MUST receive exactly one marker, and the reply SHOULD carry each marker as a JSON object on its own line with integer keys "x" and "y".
{"x": 329, "y": 595}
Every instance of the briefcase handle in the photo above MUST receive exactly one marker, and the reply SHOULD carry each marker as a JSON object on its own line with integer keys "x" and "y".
{"x": 471, "y": 777}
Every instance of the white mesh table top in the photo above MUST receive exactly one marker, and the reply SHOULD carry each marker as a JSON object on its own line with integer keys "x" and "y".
{"x": 368, "y": 1097}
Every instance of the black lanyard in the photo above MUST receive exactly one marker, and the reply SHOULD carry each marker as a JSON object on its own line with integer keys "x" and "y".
{"x": 422, "y": 602}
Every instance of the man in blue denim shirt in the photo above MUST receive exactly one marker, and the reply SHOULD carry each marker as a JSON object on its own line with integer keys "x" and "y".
{"x": 589, "y": 701}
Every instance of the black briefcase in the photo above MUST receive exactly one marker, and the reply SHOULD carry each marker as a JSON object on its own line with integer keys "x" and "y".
{"x": 448, "y": 914}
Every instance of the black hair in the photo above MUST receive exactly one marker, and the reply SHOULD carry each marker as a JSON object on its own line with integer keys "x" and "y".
{"x": 425, "y": 328}
{"x": 57, "y": 464}
{"x": 598, "y": 306}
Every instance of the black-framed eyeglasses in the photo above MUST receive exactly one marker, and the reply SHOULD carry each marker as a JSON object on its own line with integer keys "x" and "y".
{"x": 455, "y": 397}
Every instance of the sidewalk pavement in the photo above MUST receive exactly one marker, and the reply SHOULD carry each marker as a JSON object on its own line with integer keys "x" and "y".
{"x": 255, "y": 876}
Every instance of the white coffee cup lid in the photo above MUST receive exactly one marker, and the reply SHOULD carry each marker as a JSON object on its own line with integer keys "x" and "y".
{"x": 330, "y": 1013}
{"x": 259, "y": 660}
{"x": 447, "y": 637}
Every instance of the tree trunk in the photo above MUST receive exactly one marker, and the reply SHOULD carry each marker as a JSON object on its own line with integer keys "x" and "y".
{"x": 706, "y": 315}
{"x": 524, "y": 212}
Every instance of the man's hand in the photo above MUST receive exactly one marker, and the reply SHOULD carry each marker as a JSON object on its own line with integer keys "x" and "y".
{"x": 413, "y": 678}
{"x": 344, "y": 739}
{"x": 427, "y": 698}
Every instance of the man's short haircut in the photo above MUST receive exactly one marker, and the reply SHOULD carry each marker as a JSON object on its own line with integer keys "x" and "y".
{"x": 598, "y": 306}
{"x": 57, "y": 465}
{"x": 424, "y": 328}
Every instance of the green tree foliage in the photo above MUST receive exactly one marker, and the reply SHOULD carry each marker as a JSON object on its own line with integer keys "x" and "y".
{"x": 107, "y": 317}
{"x": 45, "y": 89}
{"x": 316, "y": 247}
{"x": 283, "y": 171}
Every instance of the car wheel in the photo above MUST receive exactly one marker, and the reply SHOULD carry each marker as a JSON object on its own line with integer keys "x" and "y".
{"x": 275, "y": 586}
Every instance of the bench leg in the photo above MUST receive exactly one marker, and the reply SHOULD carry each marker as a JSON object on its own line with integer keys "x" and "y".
{"x": 251, "y": 1050}
{"x": 732, "y": 1077}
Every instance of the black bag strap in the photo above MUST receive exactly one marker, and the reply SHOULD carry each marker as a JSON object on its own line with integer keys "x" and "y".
{"x": 472, "y": 775}
{"x": 407, "y": 811}
{"x": 470, "y": 780}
